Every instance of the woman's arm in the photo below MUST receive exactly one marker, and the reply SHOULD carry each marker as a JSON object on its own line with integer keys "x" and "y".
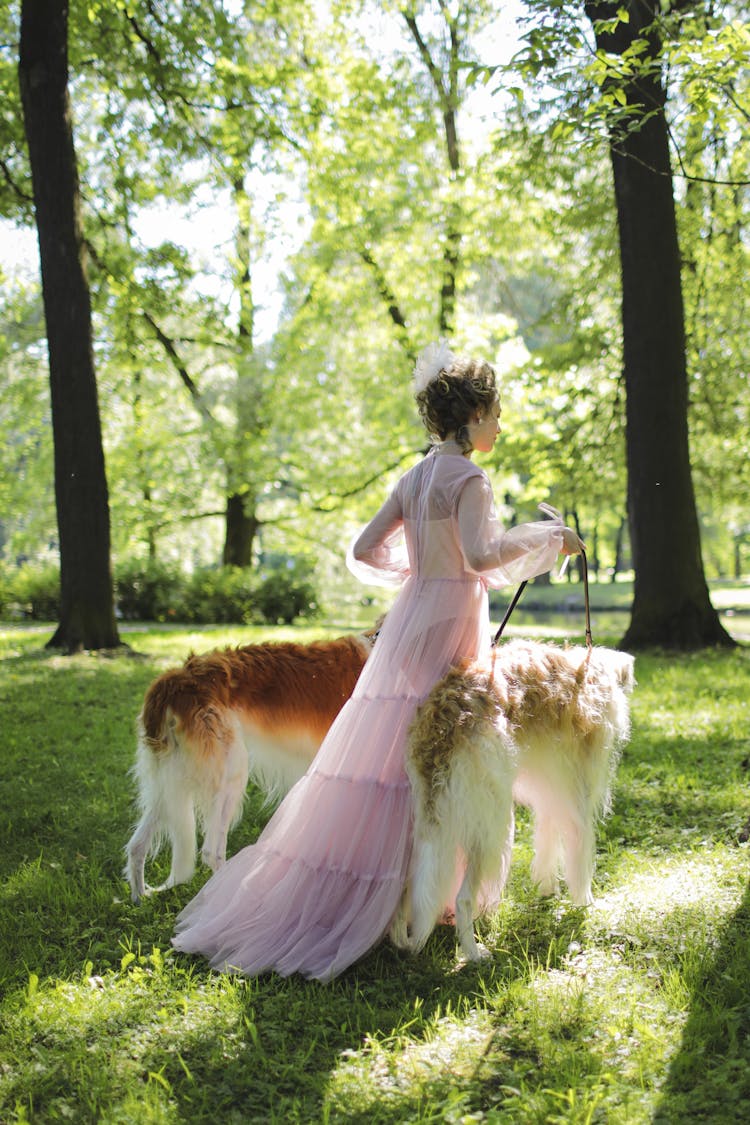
{"x": 504, "y": 557}
{"x": 378, "y": 554}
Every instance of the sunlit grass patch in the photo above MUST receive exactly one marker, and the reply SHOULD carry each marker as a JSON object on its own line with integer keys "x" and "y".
{"x": 80, "y": 1043}
{"x": 647, "y": 895}
{"x": 389, "y": 1075}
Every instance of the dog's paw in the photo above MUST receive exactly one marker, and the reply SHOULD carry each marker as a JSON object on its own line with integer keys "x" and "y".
{"x": 548, "y": 887}
{"x": 474, "y": 953}
{"x": 212, "y": 860}
{"x": 399, "y": 933}
{"x": 144, "y": 891}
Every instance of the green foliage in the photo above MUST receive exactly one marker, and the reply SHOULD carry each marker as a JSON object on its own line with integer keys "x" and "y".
{"x": 630, "y": 1012}
{"x": 31, "y": 590}
{"x": 149, "y": 591}
{"x": 153, "y": 591}
{"x": 310, "y": 419}
{"x": 286, "y": 594}
{"x": 221, "y": 594}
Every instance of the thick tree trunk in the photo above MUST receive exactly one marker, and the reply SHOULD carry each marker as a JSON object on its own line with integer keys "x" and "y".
{"x": 87, "y": 617}
{"x": 671, "y": 604}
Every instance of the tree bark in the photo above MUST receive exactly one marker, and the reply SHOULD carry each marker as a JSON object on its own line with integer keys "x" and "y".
{"x": 87, "y": 618}
{"x": 240, "y": 530}
{"x": 241, "y": 521}
{"x": 671, "y": 604}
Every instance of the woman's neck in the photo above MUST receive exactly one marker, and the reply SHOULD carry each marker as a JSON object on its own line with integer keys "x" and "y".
{"x": 450, "y": 445}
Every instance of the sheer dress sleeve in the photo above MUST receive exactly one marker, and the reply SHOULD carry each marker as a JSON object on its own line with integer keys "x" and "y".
{"x": 378, "y": 554}
{"x": 502, "y": 557}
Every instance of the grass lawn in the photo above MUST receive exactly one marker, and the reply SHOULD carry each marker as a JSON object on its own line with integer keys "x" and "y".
{"x": 634, "y": 1010}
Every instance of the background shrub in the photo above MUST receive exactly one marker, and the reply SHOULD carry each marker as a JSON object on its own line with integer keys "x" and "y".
{"x": 147, "y": 590}
{"x": 285, "y": 594}
{"x": 154, "y": 591}
{"x": 32, "y": 591}
{"x": 221, "y": 595}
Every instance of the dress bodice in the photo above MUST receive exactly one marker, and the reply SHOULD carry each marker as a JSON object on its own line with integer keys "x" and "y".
{"x": 440, "y": 522}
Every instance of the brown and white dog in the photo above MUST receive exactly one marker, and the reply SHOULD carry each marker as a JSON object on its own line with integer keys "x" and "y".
{"x": 256, "y": 712}
{"x": 543, "y": 726}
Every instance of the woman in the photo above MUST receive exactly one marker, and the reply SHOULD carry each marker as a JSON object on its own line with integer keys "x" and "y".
{"x": 323, "y": 882}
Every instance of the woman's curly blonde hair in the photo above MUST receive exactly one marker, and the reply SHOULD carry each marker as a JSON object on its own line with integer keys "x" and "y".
{"x": 455, "y": 396}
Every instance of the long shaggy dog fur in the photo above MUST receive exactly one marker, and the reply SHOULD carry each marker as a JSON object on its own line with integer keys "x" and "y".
{"x": 543, "y": 726}
{"x": 258, "y": 711}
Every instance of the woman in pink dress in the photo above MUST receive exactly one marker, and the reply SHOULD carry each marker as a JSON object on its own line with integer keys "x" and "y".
{"x": 322, "y": 884}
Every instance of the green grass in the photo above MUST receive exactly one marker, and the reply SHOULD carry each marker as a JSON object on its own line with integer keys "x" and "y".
{"x": 635, "y": 1010}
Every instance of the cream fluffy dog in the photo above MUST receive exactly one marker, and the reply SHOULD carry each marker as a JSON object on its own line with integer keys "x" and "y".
{"x": 542, "y": 725}
{"x": 256, "y": 712}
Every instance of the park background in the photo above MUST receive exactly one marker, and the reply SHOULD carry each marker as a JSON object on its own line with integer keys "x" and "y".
{"x": 251, "y": 220}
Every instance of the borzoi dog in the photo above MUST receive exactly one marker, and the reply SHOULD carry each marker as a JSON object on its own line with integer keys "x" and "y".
{"x": 258, "y": 711}
{"x": 542, "y": 725}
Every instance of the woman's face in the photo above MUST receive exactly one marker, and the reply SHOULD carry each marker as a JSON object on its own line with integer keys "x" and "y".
{"x": 483, "y": 432}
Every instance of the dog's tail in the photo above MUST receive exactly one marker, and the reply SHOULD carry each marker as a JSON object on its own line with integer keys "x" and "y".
{"x": 174, "y": 705}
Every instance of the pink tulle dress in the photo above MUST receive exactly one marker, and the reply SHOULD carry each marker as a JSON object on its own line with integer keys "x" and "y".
{"x": 322, "y": 883}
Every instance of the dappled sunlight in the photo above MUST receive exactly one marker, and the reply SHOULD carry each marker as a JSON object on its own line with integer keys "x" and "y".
{"x": 382, "y": 1068}
{"x": 28, "y": 880}
{"x": 609, "y": 1006}
{"x": 700, "y": 723}
{"x": 593, "y": 1017}
{"x": 155, "y": 1013}
{"x": 579, "y": 1014}
{"x": 681, "y": 900}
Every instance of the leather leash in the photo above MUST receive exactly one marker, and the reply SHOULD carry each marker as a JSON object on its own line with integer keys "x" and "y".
{"x": 522, "y": 587}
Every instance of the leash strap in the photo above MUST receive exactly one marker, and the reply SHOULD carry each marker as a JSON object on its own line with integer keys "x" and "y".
{"x": 509, "y": 610}
{"x": 589, "y": 638}
{"x": 522, "y": 587}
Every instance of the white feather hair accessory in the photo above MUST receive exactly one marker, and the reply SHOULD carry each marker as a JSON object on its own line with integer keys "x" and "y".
{"x": 435, "y": 358}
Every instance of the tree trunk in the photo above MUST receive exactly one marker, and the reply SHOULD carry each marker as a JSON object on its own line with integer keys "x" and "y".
{"x": 239, "y": 533}
{"x": 671, "y": 604}
{"x": 241, "y": 521}
{"x": 619, "y": 548}
{"x": 87, "y": 617}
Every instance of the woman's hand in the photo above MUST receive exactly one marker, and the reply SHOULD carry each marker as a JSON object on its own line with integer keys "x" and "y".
{"x": 572, "y": 544}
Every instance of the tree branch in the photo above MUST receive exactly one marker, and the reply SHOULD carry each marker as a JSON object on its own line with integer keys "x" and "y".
{"x": 391, "y": 301}
{"x": 169, "y": 347}
{"x": 326, "y": 505}
{"x": 433, "y": 70}
{"x": 17, "y": 190}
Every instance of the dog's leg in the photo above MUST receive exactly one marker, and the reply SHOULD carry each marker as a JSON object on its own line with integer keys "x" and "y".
{"x": 400, "y": 926}
{"x": 488, "y": 861}
{"x": 578, "y": 856}
{"x": 430, "y": 884}
{"x": 544, "y": 867}
{"x": 226, "y": 804}
{"x": 465, "y": 909}
{"x": 180, "y": 827}
{"x": 138, "y": 847}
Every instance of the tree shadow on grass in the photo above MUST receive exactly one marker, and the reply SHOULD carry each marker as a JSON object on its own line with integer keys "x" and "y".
{"x": 709, "y": 1078}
